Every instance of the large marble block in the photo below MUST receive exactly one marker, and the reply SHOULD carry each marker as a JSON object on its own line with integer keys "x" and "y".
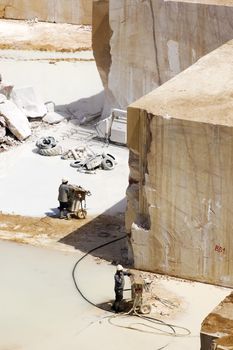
{"x": 182, "y": 133}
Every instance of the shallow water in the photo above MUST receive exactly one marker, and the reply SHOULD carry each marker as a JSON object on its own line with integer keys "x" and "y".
{"x": 40, "y": 307}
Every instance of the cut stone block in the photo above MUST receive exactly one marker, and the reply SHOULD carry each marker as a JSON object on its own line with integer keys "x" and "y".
{"x": 16, "y": 120}
{"x": 182, "y": 133}
{"x": 29, "y": 101}
{"x": 53, "y": 118}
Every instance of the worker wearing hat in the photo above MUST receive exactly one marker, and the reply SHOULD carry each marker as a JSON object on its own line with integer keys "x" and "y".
{"x": 63, "y": 198}
{"x": 119, "y": 279}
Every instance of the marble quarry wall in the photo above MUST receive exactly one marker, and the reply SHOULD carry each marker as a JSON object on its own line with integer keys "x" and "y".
{"x": 153, "y": 40}
{"x": 59, "y": 11}
{"x": 179, "y": 135}
{"x": 101, "y": 35}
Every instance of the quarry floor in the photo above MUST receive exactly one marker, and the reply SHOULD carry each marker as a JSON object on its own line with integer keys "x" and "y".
{"x": 40, "y": 305}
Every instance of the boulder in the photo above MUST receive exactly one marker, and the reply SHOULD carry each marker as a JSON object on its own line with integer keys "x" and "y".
{"x": 6, "y": 90}
{"x": 2, "y": 128}
{"x": 2, "y": 98}
{"x": 16, "y": 121}
{"x": 2, "y": 133}
{"x": 28, "y": 101}
{"x": 53, "y": 118}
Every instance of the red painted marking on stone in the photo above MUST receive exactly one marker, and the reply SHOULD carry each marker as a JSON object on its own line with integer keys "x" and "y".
{"x": 219, "y": 249}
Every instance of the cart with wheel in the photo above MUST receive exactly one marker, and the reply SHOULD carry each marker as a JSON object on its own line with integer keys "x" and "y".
{"x": 77, "y": 202}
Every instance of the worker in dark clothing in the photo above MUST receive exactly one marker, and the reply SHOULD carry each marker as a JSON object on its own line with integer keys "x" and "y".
{"x": 63, "y": 198}
{"x": 119, "y": 279}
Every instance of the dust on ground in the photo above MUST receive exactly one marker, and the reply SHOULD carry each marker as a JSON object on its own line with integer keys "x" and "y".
{"x": 21, "y": 35}
{"x": 35, "y": 226}
{"x": 44, "y": 231}
{"x": 164, "y": 303}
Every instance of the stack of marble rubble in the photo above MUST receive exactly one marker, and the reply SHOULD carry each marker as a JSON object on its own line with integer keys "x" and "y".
{"x": 18, "y": 106}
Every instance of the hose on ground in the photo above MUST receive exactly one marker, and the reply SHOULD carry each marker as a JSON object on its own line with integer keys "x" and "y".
{"x": 83, "y": 257}
{"x": 133, "y": 312}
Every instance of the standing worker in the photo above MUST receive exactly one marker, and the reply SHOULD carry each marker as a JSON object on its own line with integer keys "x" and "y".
{"x": 119, "y": 279}
{"x": 63, "y": 198}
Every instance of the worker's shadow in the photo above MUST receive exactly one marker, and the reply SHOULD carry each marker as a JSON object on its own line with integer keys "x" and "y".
{"x": 54, "y": 213}
{"x": 106, "y": 306}
{"x": 125, "y": 306}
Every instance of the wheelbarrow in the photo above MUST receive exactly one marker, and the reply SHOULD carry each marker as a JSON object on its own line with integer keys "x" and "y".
{"x": 77, "y": 202}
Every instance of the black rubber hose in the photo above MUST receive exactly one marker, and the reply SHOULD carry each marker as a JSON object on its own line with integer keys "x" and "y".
{"x": 148, "y": 318}
{"x": 77, "y": 262}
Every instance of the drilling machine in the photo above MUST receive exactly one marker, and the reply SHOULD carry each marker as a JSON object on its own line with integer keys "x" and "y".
{"x": 140, "y": 291}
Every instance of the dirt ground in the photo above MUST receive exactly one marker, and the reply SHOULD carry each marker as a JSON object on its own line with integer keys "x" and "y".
{"x": 82, "y": 234}
{"x": 36, "y": 226}
{"x": 23, "y": 35}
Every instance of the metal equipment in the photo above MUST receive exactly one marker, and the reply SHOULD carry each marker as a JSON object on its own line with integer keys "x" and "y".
{"x": 77, "y": 202}
{"x": 114, "y": 127}
{"x": 140, "y": 294}
{"x": 118, "y": 131}
{"x": 105, "y": 161}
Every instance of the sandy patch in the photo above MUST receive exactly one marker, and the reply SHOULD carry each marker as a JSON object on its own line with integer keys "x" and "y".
{"x": 66, "y": 235}
{"x": 44, "y": 36}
